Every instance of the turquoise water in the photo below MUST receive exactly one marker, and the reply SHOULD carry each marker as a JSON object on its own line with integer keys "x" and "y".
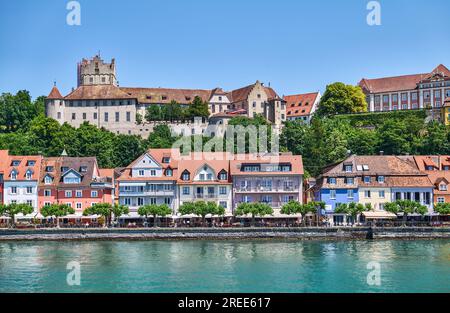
{"x": 226, "y": 266}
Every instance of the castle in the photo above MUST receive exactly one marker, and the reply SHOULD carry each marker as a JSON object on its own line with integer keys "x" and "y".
{"x": 100, "y": 100}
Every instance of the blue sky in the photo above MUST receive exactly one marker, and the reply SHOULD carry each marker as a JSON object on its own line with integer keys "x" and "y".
{"x": 297, "y": 46}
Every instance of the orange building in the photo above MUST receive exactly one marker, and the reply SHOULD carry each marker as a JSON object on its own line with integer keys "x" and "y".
{"x": 76, "y": 181}
{"x": 438, "y": 170}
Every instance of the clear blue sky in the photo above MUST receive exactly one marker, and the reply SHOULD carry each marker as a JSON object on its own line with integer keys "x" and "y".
{"x": 297, "y": 46}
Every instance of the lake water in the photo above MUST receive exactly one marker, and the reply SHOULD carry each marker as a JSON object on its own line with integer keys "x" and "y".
{"x": 227, "y": 266}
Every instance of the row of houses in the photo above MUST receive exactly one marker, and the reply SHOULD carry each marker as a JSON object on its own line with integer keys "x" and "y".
{"x": 165, "y": 176}
{"x": 159, "y": 176}
{"x": 377, "y": 180}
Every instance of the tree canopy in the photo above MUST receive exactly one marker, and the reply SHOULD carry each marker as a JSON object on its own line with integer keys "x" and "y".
{"x": 340, "y": 98}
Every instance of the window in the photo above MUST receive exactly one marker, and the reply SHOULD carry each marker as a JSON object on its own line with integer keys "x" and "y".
{"x": 348, "y": 168}
{"x": 94, "y": 194}
{"x": 140, "y": 201}
{"x": 84, "y": 116}
{"x": 167, "y": 201}
{"x": 223, "y": 176}
{"x": 223, "y": 204}
{"x": 223, "y": 190}
{"x": 47, "y": 203}
{"x": 29, "y": 190}
{"x": 79, "y": 206}
{"x": 367, "y": 179}
{"x": 79, "y": 194}
{"x": 333, "y": 194}
{"x": 30, "y": 202}
{"x": 141, "y": 172}
{"x": 95, "y": 115}
{"x": 349, "y": 180}
{"x": 13, "y": 190}
{"x": 13, "y": 175}
{"x": 202, "y": 176}
{"x": 48, "y": 180}
{"x": 106, "y": 117}
{"x": 153, "y": 173}
{"x": 332, "y": 180}
{"x": 166, "y": 160}
{"x": 59, "y": 115}
{"x": 28, "y": 175}
{"x": 367, "y": 194}
{"x": 350, "y": 193}
{"x": 74, "y": 116}
{"x": 127, "y": 201}
{"x": 47, "y": 193}
{"x": 169, "y": 172}
{"x": 440, "y": 200}
{"x": 117, "y": 116}
{"x": 381, "y": 179}
{"x": 442, "y": 187}
{"x": 31, "y": 163}
{"x": 152, "y": 200}
{"x": 209, "y": 177}
{"x": 186, "y": 191}
{"x": 83, "y": 169}
{"x": 381, "y": 194}
{"x": 68, "y": 193}
{"x": 185, "y": 176}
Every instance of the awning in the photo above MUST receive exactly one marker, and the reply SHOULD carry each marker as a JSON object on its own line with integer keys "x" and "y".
{"x": 375, "y": 215}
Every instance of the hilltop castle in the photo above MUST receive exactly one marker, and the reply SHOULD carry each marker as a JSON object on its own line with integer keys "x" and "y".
{"x": 100, "y": 100}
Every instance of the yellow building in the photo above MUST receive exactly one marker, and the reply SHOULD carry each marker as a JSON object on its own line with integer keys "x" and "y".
{"x": 446, "y": 112}
{"x": 377, "y": 197}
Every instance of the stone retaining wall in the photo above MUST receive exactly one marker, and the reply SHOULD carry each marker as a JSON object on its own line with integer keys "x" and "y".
{"x": 332, "y": 233}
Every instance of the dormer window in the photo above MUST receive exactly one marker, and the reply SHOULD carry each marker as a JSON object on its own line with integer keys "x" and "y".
{"x": 15, "y": 163}
{"x": 83, "y": 169}
{"x": 185, "y": 176}
{"x": 31, "y": 163}
{"x": 332, "y": 180}
{"x": 381, "y": 179}
{"x": 13, "y": 175}
{"x": 443, "y": 187}
{"x": 348, "y": 168}
{"x": 169, "y": 172}
{"x": 367, "y": 179}
{"x": 48, "y": 180}
{"x": 64, "y": 169}
{"x": 429, "y": 168}
{"x": 49, "y": 169}
{"x": 223, "y": 175}
{"x": 446, "y": 168}
{"x": 28, "y": 175}
{"x": 166, "y": 160}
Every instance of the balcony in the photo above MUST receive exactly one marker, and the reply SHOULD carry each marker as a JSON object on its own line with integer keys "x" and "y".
{"x": 273, "y": 205}
{"x": 208, "y": 196}
{"x": 288, "y": 189}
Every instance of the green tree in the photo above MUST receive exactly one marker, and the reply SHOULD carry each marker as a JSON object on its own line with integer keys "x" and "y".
{"x": 154, "y": 210}
{"x": 253, "y": 209}
{"x": 11, "y": 210}
{"x": 436, "y": 140}
{"x": 442, "y": 208}
{"x": 153, "y": 113}
{"x": 106, "y": 210}
{"x": 198, "y": 108}
{"x": 406, "y": 207}
{"x": 127, "y": 148}
{"x": 160, "y": 137}
{"x": 295, "y": 207}
{"x": 139, "y": 118}
{"x": 172, "y": 111}
{"x": 393, "y": 139}
{"x": 17, "y": 111}
{"x": 340, "y": 98}
{"x": 241, "y": 124}
{"x": 202, "y": 209}
{"x": 56, "y": 211}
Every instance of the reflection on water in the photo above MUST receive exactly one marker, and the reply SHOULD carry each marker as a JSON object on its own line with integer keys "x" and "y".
{"x": 226, "y": 266}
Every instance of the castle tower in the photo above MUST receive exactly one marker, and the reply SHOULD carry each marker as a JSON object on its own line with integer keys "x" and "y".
{"x": 96, "y": 72}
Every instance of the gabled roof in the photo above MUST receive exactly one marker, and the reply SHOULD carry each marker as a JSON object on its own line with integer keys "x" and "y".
{"x": 241, "y": 94}
{"x": 399, "y": 83}
{"x": 97, "y": 92}
{"x": 301, "y": 104}
{"x": 192, "y": 163}
{"x": 23, "y": 167}
{"x": 155, "y": 95}
{"x": 295, "y": 161}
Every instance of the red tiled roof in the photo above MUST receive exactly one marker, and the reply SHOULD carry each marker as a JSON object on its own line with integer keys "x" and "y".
{"x": 300, "y": 105}
{"x": 22, "y": 168}
{"x": 399, "y": 83}
{"x": 93, "y": 92}
{"x": 166, "y": 95}
{"x": 241, "y": 94}
{"x": 296, "y": 162}
{"x": 54, "y": 94}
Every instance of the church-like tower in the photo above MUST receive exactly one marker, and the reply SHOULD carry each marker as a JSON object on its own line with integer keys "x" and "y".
{"x": 96, "y": 72}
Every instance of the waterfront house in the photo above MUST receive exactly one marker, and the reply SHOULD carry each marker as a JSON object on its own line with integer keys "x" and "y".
{"x": 150, "y": 179}
{"x": 75, "y": 181}
{"x": 271, "y": 179}
{"x": 205, "y": 177}
{"x": 373, "y": 180}
{"x": 437, "y": 167}
{"x": 20, "y": 180}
